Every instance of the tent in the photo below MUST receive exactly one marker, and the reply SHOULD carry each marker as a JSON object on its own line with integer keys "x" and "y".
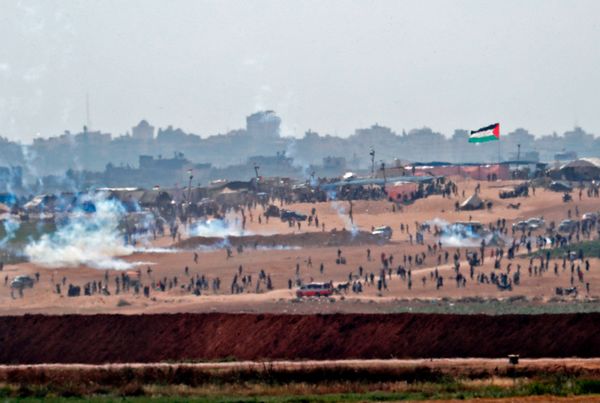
{"x": 472, "y": 203}
{"x": 582, "y": 169}
{"x": 398, "y": 190}
{"x": 496, "y": 240}
{"x": 4, "y": 208}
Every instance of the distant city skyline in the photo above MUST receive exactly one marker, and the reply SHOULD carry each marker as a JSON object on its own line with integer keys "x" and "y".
{"x": 331, "y": 67}
{"x": 146, "y": 130}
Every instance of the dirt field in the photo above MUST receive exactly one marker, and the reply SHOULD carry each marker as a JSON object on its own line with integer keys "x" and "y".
{"x": 280, "y": 254}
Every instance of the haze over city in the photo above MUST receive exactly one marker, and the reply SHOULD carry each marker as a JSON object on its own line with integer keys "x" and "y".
{"x": 326, "y": 66}
{"x": 300, "y": 200}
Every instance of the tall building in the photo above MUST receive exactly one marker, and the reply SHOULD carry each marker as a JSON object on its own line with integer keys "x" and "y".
{"x": 263, "y": 124}
{"x": 143, "y": 131}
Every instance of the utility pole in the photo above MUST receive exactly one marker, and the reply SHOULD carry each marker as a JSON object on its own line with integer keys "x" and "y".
{"x": 372, "y": 154}
{"x": 88, "y": 123}
{"x": 384, "y": 176}
{"x": 256, "y": 168}
{"x": 190, "y": 187}
{"x": 518, "y": 156}
{"x": 498, "y": 152}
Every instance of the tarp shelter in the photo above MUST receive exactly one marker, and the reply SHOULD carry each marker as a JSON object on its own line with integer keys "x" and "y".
{"x": 496, "y": 240}
{"x": 473, "y": 171}
{"x": 398, "y": 190}
{"x": 128, "y": 197}
{"x": 10, "y": 199}
{"x": 582, "y": 169}
{"x": 155, "y": 198}
{"x": 230, "y": 196}
{"x": 50, "y": 203}
{"x": 4, "y": 208}
{"x": 472, "y": 203}
{"x": 375, "y": 182}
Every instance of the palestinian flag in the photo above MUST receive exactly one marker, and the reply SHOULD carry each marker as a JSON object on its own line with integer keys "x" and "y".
{"x": 488, "y": 133}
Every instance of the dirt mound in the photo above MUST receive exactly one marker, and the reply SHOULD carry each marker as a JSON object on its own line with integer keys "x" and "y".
{"x": 307, "y": 239}
{"x": 98, "y": 339}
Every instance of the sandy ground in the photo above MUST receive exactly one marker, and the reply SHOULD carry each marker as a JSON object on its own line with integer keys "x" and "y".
{"x": 281, "y": 264}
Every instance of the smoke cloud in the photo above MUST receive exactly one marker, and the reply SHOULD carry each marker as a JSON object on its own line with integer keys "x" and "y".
{"x": 217, "y": 228}
{"x": 91, "y": 239}
{"x": 341, "y": 211}
{"x": 459, "y": 235}
{"x": 11, "y": 226}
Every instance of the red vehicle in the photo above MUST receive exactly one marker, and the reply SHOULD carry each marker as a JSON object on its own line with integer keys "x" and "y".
{"x": 315, "y": 290}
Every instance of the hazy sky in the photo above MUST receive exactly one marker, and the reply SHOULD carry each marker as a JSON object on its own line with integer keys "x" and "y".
{"x": 331, "y": 66}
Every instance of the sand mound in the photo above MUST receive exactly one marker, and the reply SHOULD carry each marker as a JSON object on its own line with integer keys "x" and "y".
{"x": 307, "y": 239}
{"x": 96, "y": 339}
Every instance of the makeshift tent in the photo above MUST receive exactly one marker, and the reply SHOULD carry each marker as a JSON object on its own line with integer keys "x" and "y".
{"x": 4, "y": 208}
{"x": 477, "y": 172}
{"x": 399, "y": 190}
{"x": 472, "y": 203}
{"x": 155, "y": 198}
{"x": 582, "y": 169}
{"x": 496, "y": 240}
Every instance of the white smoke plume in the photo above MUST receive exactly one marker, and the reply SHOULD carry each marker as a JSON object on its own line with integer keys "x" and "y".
{"x": 217, "y": 228}
{"x": 157, "y": 250}
{"x": 458, "y": 235}
{"x": 91, "y": 239}
{"x": 278, "y": 247}
{"x": 291, "y": 151}
{"x": 226, "y": 244}
{"x": 11, "y": 226}
{"x": 457, "y": 241}
{"x": 344, "y": 216}
{"x": 455, "y": 236}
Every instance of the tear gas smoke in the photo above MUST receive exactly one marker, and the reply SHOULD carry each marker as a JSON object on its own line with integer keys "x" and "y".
{"x": 11, "y": 226}
{"x": 92, "y": 239}
{"x": 278, "y": 247}
{"x": 341, "y": 211}
{"x": 226, "y": 244}
{"x": 217, "y": 228}
{"x": 157, "y": 250}
{"x": 461, "y": 235}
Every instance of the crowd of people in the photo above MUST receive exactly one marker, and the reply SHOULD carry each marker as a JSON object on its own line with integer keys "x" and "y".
{"x": 547, "y": 251}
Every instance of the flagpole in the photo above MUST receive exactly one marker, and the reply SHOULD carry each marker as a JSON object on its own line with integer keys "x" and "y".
{"x": 498, "y": 151}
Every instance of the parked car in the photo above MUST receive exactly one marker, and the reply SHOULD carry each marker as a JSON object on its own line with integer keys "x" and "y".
{"x": 520, "y": 226}
{"x": 384, "y": 232}
{"x": 535, "y": 223}
{"x": 567, "y": 226}
{"x": 560, "y": 187}
{"x": 287, "y": 215}
{"x": 272, "y": 211}
{"x": 529, "y": 225}
{"x": 592, "y": 217}
{"x": 22, "y": 282}
{"x": 315, "y": 290}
